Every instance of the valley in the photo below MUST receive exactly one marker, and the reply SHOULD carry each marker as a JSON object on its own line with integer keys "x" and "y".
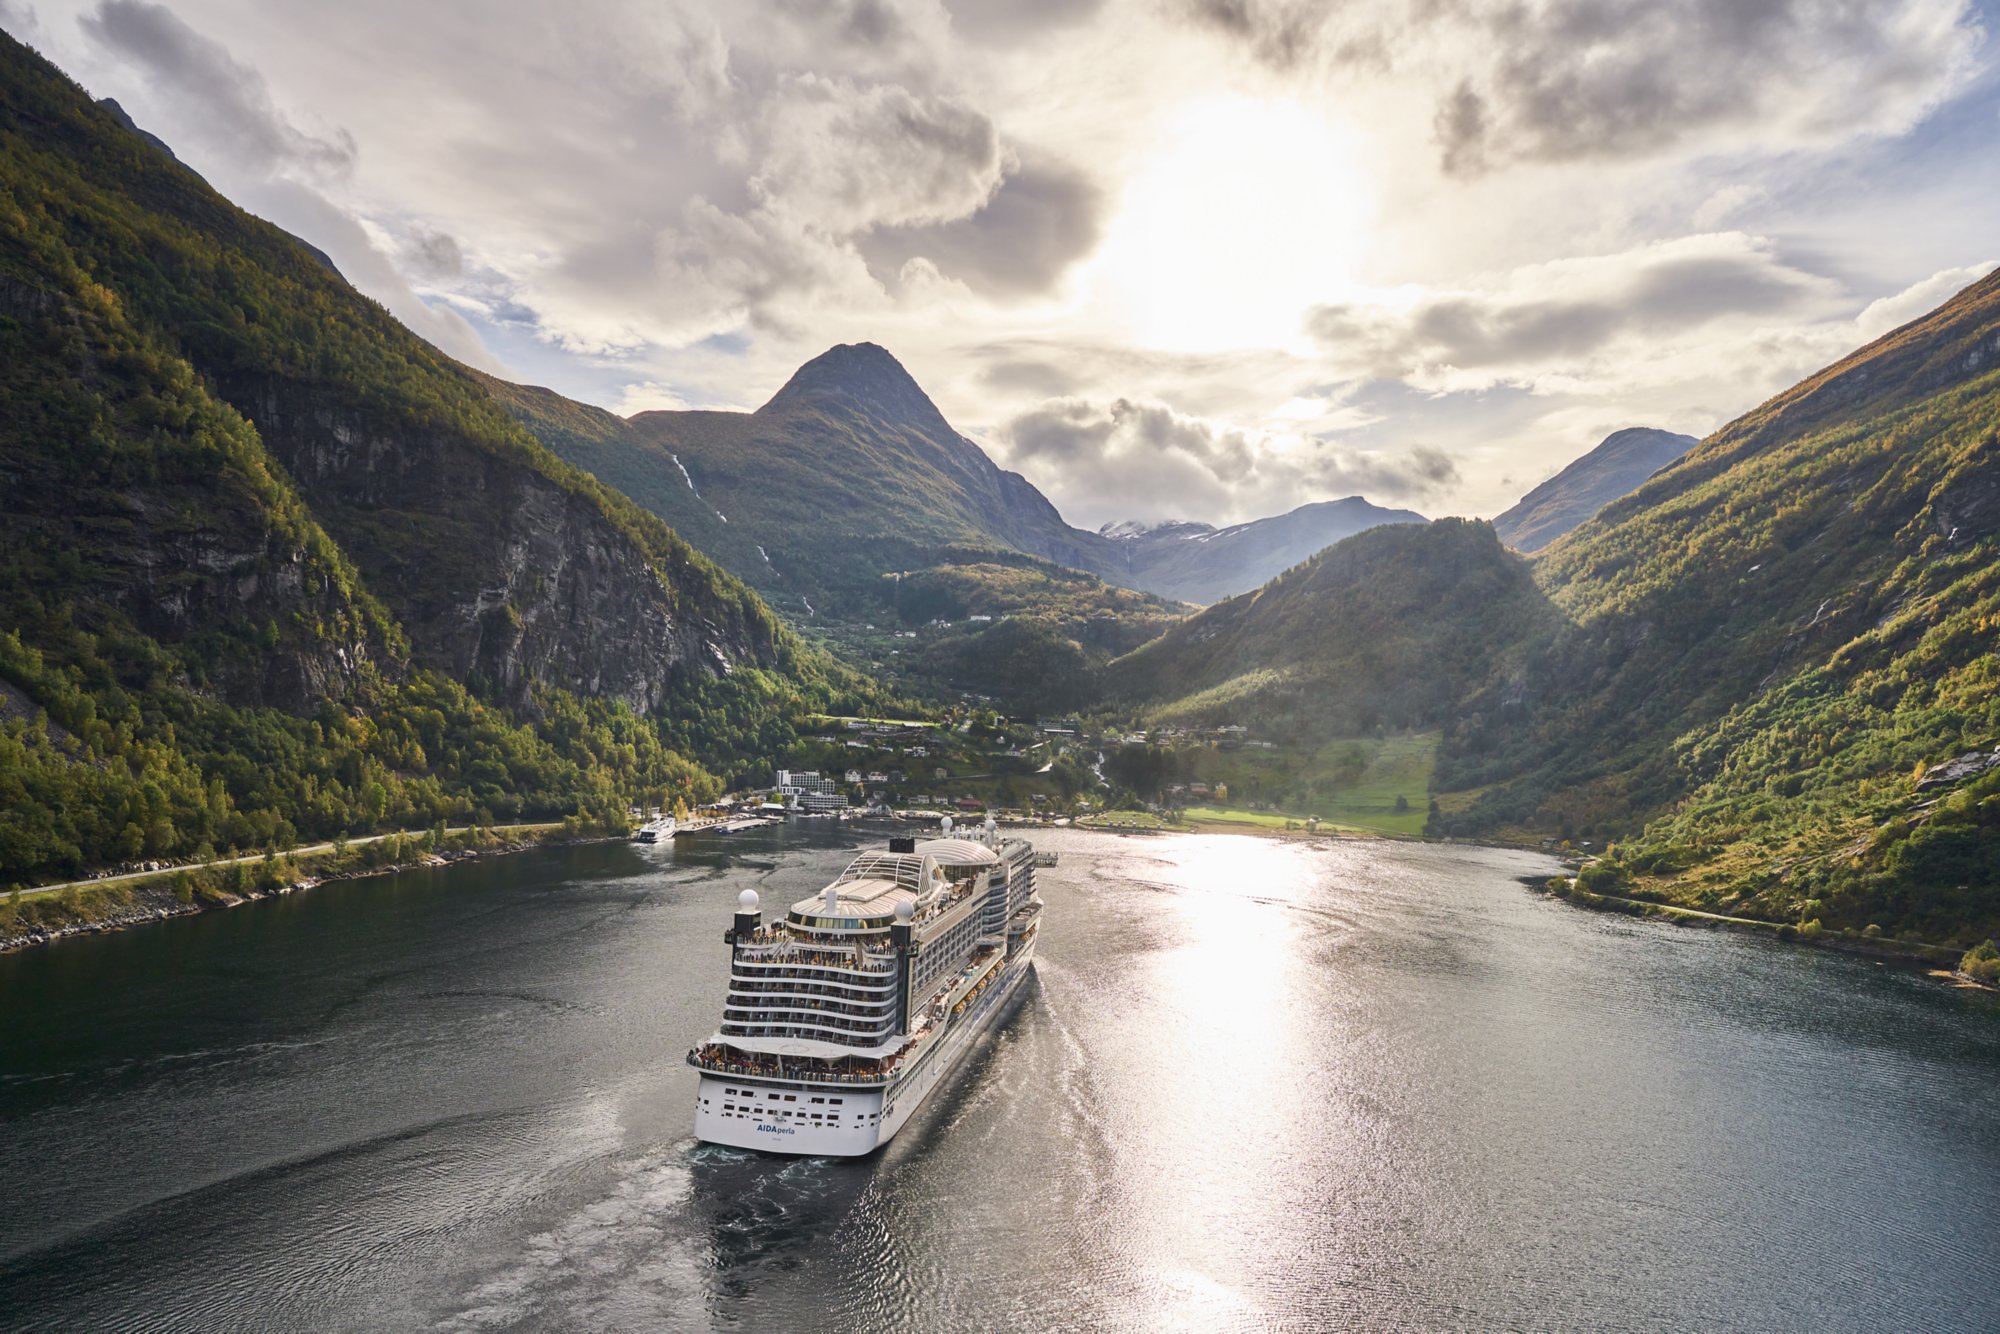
{"x": 287, "y": 572}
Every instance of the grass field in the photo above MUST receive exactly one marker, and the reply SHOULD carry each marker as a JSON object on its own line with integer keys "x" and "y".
{"x": 1351, "y": 782}
{"x": 1400, "y": 767}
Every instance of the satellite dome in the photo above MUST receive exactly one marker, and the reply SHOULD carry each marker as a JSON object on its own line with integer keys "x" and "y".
{"x": 946, "y": 824}
{"x": 905, "y": 911}
{"x": 991, "y": 824}
{"x": 747, "y": 901}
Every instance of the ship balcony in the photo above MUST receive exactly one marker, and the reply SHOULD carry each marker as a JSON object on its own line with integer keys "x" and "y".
{"x": 809, "y": 998}
{"x": 824, "y": 960}
{"x": 741, "y": 1013}
{"x": 855, "y": 1036}
{"x": 977, "y": 969}
{"x": 717, "y": 1059}
{"x": 794, "y": 1017}
{"x": 812, "y": 985}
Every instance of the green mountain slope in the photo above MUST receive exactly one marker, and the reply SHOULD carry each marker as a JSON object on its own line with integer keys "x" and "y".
{"x": 1765, "y": 641}
{"x": 850, "y": 502}
{"x": 276, "y": 568}
{"x": 850, "y": 471}
{"x": 1616, "y": 467}
{"x": 1388, "y": 629}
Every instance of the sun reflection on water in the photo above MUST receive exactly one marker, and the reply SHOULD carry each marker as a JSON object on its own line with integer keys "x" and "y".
{"x": 1236, "y": 1099}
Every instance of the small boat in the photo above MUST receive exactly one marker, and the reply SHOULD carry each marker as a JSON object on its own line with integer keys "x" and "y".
{"x": 660, "y": 829}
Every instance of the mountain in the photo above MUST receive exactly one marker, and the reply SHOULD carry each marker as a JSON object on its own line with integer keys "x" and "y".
{"x": 272, "y": 566}
{"x": 1621, "y": 461}
{"x": 1769, "y": 648}
{"x": 1196, "y": 562}
{"x": 850, "y": 472}
{"x": 1389, "y": 628}
{"x": 1769, "y": 674}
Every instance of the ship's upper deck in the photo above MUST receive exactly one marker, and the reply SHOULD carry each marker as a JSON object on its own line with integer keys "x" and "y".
{"x": 866, "y": 903}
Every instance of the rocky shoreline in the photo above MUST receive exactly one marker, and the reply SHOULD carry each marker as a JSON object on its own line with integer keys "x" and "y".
{"x": 1918, "y": 955}
{"x": 156, "y": 900}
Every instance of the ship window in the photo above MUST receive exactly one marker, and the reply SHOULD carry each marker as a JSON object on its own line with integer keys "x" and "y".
{"x": 836, "y": 1101}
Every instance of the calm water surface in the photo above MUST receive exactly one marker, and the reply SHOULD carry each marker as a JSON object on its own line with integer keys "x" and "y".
{"x": 1259, "y": 1086}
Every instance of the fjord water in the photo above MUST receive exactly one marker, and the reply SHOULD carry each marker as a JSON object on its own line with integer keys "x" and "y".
{"x": 1259, "y": 1085}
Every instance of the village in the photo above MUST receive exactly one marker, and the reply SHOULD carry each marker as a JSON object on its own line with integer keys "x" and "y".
{"x": 975, "y": 762}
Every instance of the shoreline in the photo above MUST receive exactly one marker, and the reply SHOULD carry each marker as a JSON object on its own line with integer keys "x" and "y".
{"x": 1917, "y": 955}
{"x": 154, "y": 896}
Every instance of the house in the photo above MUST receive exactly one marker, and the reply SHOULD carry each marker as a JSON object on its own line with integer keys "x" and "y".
{"x": 979, "y": 620}
{"x": 877, "y": 776}
{"x": 940, "y": 772}
{"x": 970, "y": 804}
{"x": 852, "y": 776}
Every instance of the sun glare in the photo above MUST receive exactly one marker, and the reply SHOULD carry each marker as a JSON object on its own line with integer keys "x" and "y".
{"x": 1249, "y": 211}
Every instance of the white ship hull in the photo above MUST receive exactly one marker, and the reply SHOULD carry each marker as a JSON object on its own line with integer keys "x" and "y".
{"x": 776, "y": 1116}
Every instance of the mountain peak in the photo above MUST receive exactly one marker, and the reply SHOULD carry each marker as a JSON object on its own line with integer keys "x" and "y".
{"x": 867, "y": 377}
{"x": 1620, "y": 463}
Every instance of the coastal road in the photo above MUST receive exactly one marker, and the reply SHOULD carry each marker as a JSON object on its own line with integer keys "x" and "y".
{"x": 312, "y": 849}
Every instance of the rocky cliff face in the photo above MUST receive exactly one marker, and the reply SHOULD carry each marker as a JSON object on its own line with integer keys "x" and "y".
{"x": 498, "y": 571}
{"x": 129, "y": 502}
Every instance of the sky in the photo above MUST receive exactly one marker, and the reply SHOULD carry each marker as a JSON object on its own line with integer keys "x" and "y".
{"x": 1195, "y": 259}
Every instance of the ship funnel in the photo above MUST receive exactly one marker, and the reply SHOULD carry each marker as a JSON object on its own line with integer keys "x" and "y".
{"x": 832, "y": 902}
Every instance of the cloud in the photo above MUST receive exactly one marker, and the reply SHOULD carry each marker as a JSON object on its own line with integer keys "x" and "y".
{"x": 1573, "y": 80}
{"x": 1131, "y": 459}
{"x": 1917, "y": 300}
{"x": 842, "y": 157}
{"x": 229, "y": 99}
{"x": 1030, "y": 376}
{"x": 1569, "y": 316}
{"x": 1011, "y": 21}
{"x": 17, "y": 19}
{"x": 435, "y": 254}
{"x": 1042, "y": 219}
{"x": 1583, "y": 79}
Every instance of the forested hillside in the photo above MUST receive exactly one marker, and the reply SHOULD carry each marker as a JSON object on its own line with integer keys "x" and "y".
{"x": 1389, "y": 629}
{"x": 1769, "y": 673}
{"x": 273, "y": 567}
{"x": 1770, "y": 645}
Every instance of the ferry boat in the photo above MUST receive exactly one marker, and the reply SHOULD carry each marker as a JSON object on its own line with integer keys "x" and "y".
{"x": 659, "y": 829}
{"x": 844, "y": 1016}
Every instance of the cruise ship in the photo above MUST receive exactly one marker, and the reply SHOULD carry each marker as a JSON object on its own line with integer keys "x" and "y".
{"x": 843, "y": 1017}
